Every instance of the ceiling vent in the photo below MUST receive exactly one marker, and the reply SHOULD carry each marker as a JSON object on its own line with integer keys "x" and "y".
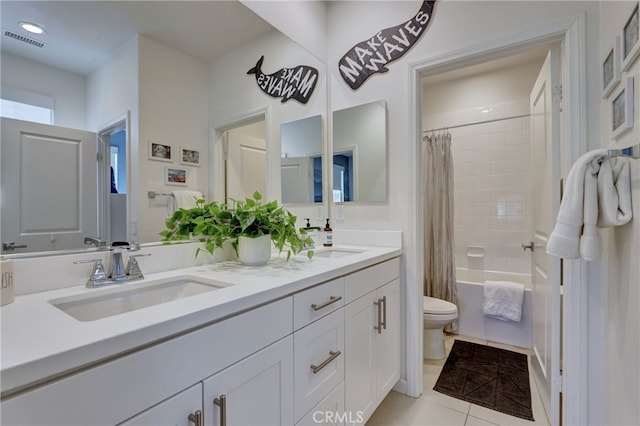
{"x": 23, "y": 39}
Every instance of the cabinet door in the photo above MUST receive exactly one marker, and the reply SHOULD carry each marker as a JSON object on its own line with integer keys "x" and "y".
{"x": 388, "y": 341}
{"x": 360, "y": 370}
{"x": 255, "y": 391}
{"x": 174, "y": 411}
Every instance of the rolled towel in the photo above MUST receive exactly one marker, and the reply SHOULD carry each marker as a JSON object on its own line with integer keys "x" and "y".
{"x": 503, "y": 300}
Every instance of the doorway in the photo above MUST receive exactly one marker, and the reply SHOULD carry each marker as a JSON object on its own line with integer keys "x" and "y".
{"x": 240, "y": 153}
{"x": 570, "y": 34}
{"x": 113, "y": 179}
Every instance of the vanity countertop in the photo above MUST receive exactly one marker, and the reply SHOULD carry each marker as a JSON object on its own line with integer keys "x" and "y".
{"x": 41, "y": 342}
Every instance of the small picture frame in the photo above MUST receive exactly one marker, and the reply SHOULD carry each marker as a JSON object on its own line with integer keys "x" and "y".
{"x": 611, "y": 68}
{"x": 190, "y": 157}
{"x": 175, "y": 176}
{"x": 630, "y": 39}
{"x": 159, "y": 151}
{"x": 622, "y": 109}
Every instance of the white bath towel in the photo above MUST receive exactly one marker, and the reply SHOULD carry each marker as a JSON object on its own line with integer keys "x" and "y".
{"x": 595, "y": 195}
{"x": 184, "y": 199}
{"x": 503, "y": 300}
{"x": 614, "y": 193}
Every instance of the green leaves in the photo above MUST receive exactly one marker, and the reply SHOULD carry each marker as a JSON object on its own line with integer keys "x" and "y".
{"x": 215, "y": 223}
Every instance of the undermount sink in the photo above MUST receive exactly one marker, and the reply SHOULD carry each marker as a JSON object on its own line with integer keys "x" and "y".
{"x": 335, "y": 253}
{"x": 126, "y": 299}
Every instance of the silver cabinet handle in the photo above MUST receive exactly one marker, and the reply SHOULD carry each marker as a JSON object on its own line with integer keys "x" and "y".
{"x": 384, "y": 312}
{"x": 10, "y": 245}
{"x": 222, "y": 403}
{"x": 332, "y": 355}
{"x": 196, "y": 418}
{"x": 378, "y": 327}
{"x": 332, "y": 299}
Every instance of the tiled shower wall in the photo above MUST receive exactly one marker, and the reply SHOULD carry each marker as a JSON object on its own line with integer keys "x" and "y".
{"x": 492, "y": 190}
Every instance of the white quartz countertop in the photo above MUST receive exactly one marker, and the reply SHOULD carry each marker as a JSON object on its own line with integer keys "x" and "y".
{"x": 41, "y": 342}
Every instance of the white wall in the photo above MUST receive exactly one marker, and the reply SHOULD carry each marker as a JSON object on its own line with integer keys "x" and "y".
{"x": 173, "y": 110}
{"x": 456, "y": 25}
{"x": 233, "y": 95}
{"x": 618, "y": 296}
{"x": 66, "y": 88}
{"x": 112, "y": 90}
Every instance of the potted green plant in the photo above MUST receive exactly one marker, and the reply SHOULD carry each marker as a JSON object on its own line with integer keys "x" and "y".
{"x": 249, "y": 222}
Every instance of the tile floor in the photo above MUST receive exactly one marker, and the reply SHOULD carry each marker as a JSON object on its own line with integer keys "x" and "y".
{"x": 436, "y": 409}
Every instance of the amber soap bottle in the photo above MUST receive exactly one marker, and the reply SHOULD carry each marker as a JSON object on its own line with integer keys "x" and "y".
{"x": 328, "y": 235}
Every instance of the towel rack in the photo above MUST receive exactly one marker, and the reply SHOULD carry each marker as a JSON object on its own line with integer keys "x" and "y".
{"x": 630, "y": 152}
{"x": 154, "y": 194}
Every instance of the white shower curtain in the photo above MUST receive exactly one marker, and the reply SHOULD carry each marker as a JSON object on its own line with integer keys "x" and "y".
{"x": 439, "y": 265}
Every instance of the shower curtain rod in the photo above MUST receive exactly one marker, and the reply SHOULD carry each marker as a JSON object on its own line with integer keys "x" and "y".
{"x": 476, "y": 122}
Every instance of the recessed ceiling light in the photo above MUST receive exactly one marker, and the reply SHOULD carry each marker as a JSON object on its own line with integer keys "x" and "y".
{"x": 32, "y": 28}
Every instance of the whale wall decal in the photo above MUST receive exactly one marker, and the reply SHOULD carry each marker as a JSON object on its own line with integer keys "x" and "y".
{"x": 373, "y": 54}
{"x": 297, "y": 83}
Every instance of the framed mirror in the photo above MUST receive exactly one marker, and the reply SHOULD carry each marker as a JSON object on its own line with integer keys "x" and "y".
{"x": 360, "y": 153}
{"x": 301, "y": 161}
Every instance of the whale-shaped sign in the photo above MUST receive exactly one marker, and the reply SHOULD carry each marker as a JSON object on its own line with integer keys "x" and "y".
{"x": 373, "y": 54}
{"x": 297, "y": 83}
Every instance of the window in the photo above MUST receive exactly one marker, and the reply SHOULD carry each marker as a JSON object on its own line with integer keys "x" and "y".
{"x": 27, "y": 106}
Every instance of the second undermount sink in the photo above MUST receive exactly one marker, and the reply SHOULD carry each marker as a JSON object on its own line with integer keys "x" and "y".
{"x": 335, "y": 253}
{"x": 131, "y": 297}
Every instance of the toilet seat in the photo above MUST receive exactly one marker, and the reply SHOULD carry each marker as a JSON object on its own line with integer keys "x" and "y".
{"x": 433, "y": 306}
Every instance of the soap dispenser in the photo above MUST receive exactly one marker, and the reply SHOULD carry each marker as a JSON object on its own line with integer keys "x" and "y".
{"x": 328, "y": 235}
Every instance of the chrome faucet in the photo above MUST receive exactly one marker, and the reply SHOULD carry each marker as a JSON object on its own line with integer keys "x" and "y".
{"x": 118, "y": 273}
{"x": 96, "y": 241}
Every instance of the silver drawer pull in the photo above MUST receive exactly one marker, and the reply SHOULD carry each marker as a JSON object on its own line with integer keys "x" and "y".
{"x": 378, "y": 327}
{"x": 222, "y": 403}
{"x": 196, "y": 418}
{"x": 332, "y": 356}
{"x": 332, "y": 299}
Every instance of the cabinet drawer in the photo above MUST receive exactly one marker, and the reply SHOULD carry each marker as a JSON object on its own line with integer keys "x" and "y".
{"x": 318, "y": 360}
{"x": 174, "y": 411}
{"x": 362, "y": 282}
{"x": 316, "y": 302}
{"x": 329, "y": 411}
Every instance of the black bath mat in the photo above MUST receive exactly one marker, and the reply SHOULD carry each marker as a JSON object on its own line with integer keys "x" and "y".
{"x": 491, "y": 377}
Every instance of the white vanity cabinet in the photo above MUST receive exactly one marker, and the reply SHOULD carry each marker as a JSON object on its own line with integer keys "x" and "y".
{"x": 372, "y": 335}
{"x": 119, "y": 389}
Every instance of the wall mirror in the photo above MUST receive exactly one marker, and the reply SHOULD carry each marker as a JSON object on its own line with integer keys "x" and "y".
{"x": 201, "y": 30}
{"x": 301, "y": 160}
{"x": 360, "y": 153}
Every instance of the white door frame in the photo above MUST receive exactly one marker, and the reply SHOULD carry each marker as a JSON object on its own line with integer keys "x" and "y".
{"x": 571, "y": 33}
{"x": 217, "y": 150}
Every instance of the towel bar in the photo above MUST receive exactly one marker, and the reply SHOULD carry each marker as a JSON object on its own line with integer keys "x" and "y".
{"x": 630, "y": 152}
{"x": 154, "y": 194}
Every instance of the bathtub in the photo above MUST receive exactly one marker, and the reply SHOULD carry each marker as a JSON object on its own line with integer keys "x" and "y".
{"x": 473, "y": 323}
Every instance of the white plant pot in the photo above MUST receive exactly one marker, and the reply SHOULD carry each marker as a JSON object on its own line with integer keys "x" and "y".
{"x": 254, "y": 251}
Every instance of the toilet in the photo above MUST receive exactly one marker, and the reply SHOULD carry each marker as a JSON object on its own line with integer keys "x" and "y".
{"x": 437, "y": 314}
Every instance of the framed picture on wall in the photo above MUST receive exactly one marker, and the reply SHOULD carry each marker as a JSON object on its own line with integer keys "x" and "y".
{"x": 175, "y": 176}
{"x": 160, "y": 151}
{"x": 622, "y": 109}
{"x": 630, "y": 39}
{"x": 611, "y": 68}
{"x": 189, "y": 156}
